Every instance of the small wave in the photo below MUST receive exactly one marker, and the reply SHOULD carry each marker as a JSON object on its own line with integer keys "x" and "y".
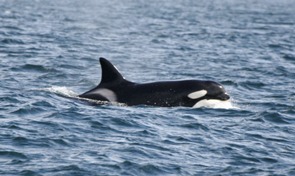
{"x": 289, "y": 57}
{"x": 37, "y": 68}
{"x": 12, "y": 155}
{"x": 27, "y": 110}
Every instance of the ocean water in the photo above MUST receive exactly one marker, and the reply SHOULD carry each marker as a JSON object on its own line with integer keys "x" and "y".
{"x": 49, "y": 53}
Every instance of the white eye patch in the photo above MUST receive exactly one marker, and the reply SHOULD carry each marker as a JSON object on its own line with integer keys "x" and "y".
{"x": 108, "y": 94}
{"x": 197, "y": 94}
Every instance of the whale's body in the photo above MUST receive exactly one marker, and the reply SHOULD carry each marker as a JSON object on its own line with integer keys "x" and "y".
{"x": 190, "y": 93}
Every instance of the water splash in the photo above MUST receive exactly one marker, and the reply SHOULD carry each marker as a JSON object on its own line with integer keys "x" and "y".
{"x": 62, "y": 91}
{"x": 68, "y": 93}
{"x": 215, "y": 104}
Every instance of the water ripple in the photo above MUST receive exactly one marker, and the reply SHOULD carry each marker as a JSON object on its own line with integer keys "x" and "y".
{"x": 12, "y": 41}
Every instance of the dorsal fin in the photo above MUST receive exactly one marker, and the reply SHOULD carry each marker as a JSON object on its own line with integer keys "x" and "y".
{"x": 109, "y": 73}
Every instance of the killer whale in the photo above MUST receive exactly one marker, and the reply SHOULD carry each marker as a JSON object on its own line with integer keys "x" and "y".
{"x": 189, "y": 93}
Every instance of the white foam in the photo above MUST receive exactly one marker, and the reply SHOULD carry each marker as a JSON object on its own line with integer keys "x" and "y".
{"x": 215, "y": 104}
{"x": 66, "y": 92}
{"x": 63, "y": 91}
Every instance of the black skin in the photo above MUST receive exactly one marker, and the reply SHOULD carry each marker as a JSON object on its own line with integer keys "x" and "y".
{"x": 165, "y": 94}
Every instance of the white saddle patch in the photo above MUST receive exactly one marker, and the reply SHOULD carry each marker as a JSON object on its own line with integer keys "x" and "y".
{"x": 108, "y": 94}
{"x": 213, "y": 103}
{"x": 197, "y": 94}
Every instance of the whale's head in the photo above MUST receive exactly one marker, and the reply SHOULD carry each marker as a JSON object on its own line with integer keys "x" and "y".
{"x": 212, "y": 94}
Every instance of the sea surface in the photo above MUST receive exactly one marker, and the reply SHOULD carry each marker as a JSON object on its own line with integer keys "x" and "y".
{"x": 49, "y": 53}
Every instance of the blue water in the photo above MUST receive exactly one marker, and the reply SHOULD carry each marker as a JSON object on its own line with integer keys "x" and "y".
{"x": 49, "y": 53}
